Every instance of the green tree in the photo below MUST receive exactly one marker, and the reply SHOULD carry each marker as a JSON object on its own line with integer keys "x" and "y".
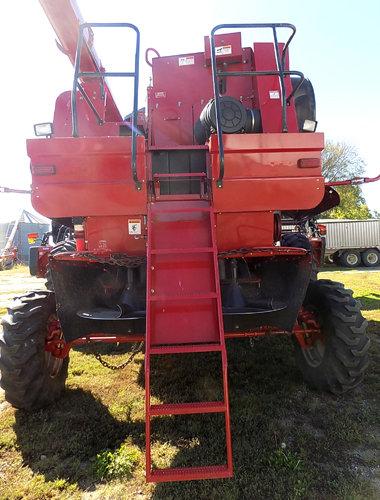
{"x": 352, "y": 205}
{"x": 341, "y": 161}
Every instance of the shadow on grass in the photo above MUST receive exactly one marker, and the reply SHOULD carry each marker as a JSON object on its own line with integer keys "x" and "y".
{"x": 329, "y": 268}
{"x": 371, "y": 303}
{"x": 288, "y": 442}
{"x": 103, "y": 348}
{"x": 61, "y": 441}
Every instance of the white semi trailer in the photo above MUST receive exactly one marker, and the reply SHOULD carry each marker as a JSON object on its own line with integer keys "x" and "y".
{"x": 352, "y": 243}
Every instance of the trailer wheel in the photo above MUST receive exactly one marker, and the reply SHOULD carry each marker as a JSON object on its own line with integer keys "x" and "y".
{"x": 61, "y": 247}
{"x": 336, "y": 258}
{"x": 350, "y": 258}
{"x": 371, "y": 257}
{"x": 30, "y": 376}
{"x": 335, "y": 360}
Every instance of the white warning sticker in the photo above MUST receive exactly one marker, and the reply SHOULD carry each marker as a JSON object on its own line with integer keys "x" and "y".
{"x": 274, "y": 94}
{"x": 186, "y": 61}
{"x": 159, "y": 95}
{"x": 223, "y": 50}
{"x": 134, "y": 226}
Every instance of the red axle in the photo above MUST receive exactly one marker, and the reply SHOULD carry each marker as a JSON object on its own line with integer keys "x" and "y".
{"x": 60, "y": 349}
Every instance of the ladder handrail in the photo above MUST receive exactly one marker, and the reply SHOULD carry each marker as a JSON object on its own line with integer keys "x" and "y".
{"x": 280, "y": 62}
{"x": 101, "y": 75}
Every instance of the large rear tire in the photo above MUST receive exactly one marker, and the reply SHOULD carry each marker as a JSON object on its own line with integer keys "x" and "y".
{"x": 65, "y": 246}
{"x": 30, "y": 376}
{"x": 337, "y": 360}
{"x": 297, "y": 240}
{"x": 300, "y": 240}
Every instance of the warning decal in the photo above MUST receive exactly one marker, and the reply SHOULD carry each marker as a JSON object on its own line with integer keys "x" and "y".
{"x": 274, "y": 94}
{"x": 223, "y": 50}
{"x": 134, "y": 226}
{"x": 186, "y": 61}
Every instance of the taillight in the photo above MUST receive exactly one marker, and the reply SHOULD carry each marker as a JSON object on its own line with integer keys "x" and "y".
{"x": 42, "y": 169}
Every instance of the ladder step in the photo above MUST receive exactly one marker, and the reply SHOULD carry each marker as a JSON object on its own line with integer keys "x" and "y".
{"x": 198, "y": 296}
{"x": 189, "y": 473}
{"x": 164, "y": 251}
{"x": 179, "y": 174}
{"x": 188, "y": 408}
{"x": 179, "y": 210}
{"x": 183, "y": 349}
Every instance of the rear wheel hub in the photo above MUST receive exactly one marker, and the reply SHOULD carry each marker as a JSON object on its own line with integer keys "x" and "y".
{"x": 310, "y": 336}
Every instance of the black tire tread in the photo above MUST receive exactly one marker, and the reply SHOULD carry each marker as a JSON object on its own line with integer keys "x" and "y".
{"x": 26, "y": 382}
{"x": 296, "y": 240}
{"x": 300, "y": 240}
{"x": 61, "y": 247}
{"x": 346, "y": 347}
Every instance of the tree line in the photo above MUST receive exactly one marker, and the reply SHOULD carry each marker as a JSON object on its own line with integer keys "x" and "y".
{"x": 341, "y": 161}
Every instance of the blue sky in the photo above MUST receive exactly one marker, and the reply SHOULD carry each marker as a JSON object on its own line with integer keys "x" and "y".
{"x": 336, "y": 46}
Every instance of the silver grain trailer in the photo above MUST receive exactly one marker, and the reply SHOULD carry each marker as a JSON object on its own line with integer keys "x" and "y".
{"x": 351, "y": 243}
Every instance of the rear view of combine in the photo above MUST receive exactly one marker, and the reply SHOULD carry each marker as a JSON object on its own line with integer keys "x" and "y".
{"x": 168, "y": 224}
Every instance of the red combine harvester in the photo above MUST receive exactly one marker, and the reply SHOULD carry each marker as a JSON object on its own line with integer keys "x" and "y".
{"x": 168, "y": 224}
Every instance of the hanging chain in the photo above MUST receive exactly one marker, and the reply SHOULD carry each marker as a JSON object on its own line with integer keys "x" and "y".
{"x": 136, "y": 348}
{"x": 122, "y": 260}
{"x": 116, "y": 259}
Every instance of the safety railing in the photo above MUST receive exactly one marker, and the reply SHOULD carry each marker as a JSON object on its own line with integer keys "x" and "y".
{"x": 77, "y": 85}
{"x": 280, "y": 72}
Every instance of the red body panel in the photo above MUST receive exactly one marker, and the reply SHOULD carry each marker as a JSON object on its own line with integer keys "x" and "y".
{"x": 262, "y": 172}
{"x": 262, "y": 176}
{"x": 92, "y": 177}
{"x": 112, "y": 233}
{"x": 180, "y": 92}
{"x": 244, "y": 229}
{"x": 268, "y": 90}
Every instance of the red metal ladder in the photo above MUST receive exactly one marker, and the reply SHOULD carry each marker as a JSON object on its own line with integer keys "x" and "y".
{"x": 184, "y": 314}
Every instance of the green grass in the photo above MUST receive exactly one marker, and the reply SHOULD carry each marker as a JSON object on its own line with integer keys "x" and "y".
{"x": 289, "y": 442}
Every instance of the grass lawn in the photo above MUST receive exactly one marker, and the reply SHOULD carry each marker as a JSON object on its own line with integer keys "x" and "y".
{"x": 288, "y": 441}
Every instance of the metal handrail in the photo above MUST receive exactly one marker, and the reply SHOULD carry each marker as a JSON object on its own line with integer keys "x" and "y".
{"x": 102, "y": 74}
{"x": 281, "y": 73}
